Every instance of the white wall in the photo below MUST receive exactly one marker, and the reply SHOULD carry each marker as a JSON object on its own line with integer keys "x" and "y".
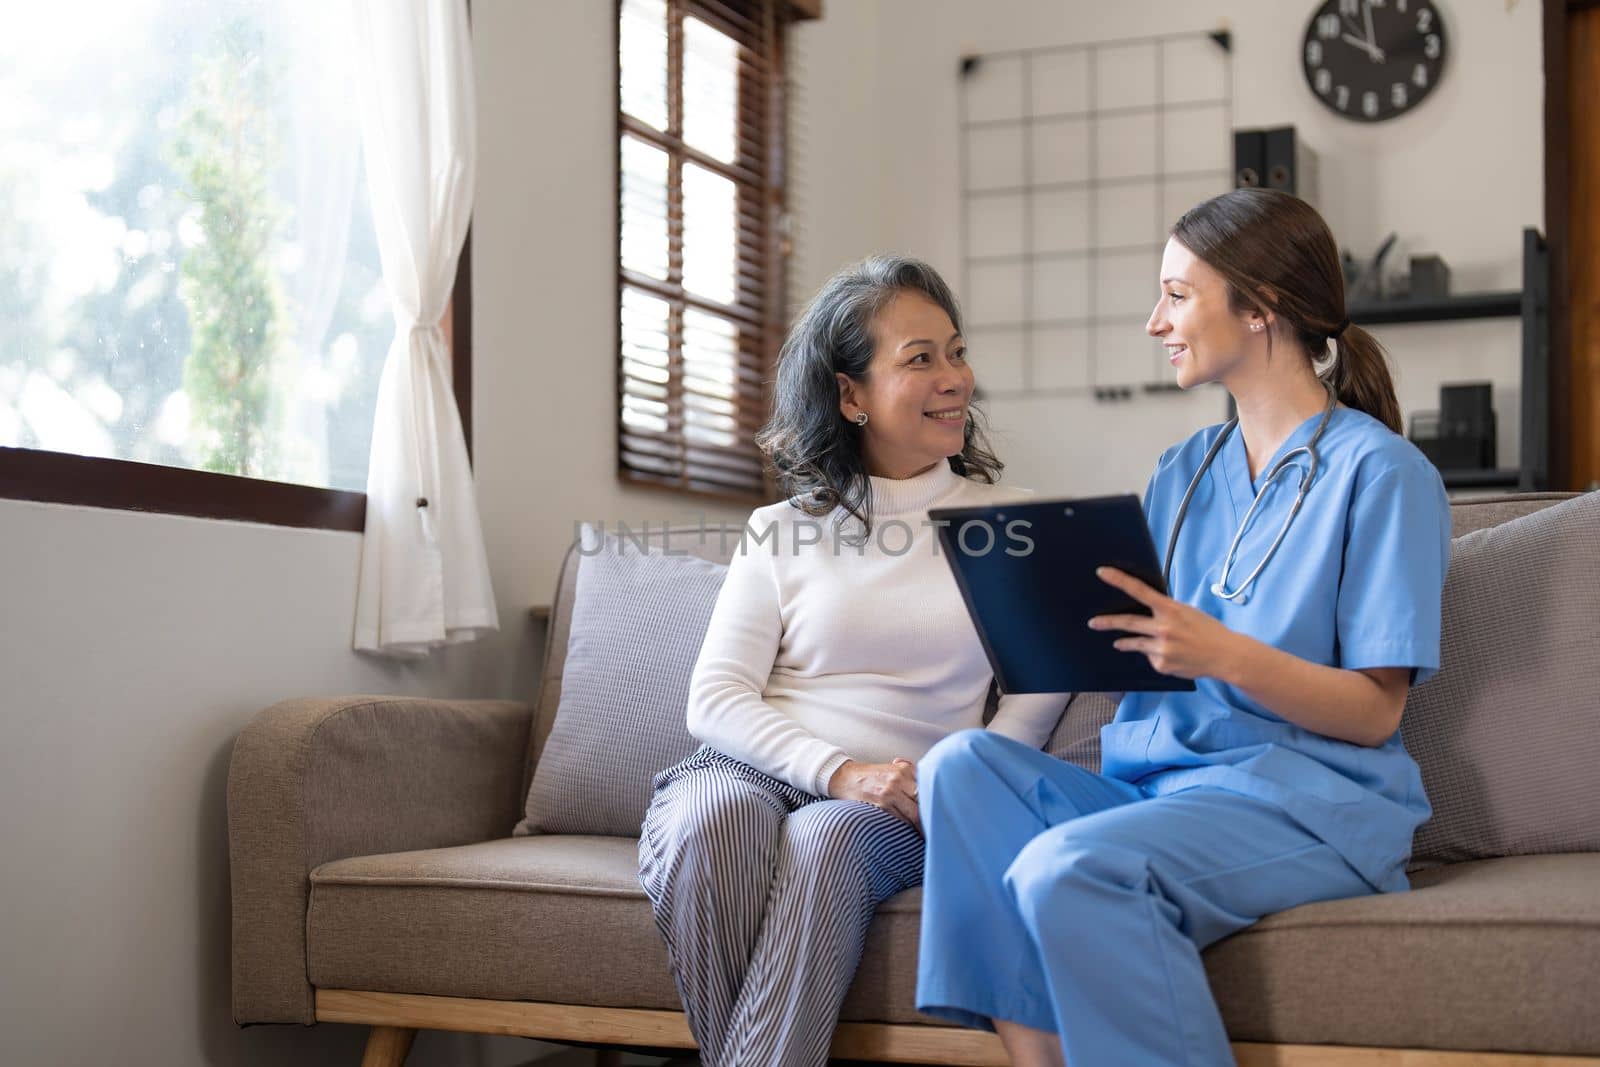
{"x": 1460, "y": 176}
{"x": 134, "y": 648}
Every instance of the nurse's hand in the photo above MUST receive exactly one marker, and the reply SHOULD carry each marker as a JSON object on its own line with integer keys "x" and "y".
{"x": 890, "y": 786}
{"x": 1177, "y": 639}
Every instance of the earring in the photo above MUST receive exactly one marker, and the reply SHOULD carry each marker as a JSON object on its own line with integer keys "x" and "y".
{"x": 1255, "y": 327}
{"x": 861, "y": 418}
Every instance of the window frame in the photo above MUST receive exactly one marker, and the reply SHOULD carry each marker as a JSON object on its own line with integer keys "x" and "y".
{"x": 774, "y": 193}
{"x": 94, "y": 481}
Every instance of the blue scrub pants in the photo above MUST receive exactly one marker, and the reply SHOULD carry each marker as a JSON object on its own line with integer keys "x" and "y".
{"x": 1078, "y": 904}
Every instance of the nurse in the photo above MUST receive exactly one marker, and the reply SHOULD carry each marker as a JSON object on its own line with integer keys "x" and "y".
{"x": 1308, "y": 542}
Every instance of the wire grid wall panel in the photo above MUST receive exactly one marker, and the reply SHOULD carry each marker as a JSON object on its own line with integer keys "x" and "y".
{"x": 1075, "y": 162}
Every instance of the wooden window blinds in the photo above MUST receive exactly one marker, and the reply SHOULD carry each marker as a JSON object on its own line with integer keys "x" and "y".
{"x": 700, "y": 250}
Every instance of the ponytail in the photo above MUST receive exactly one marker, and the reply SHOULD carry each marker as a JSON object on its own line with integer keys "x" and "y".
{"x": 1359, "y": 375}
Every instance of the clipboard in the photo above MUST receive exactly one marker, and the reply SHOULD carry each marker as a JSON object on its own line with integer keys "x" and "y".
{"x": 1026, "y": 572}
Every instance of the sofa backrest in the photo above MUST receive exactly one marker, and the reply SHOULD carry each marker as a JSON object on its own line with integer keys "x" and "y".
{"x": 718, "y": 542}
{"x": 1480, "y": 513}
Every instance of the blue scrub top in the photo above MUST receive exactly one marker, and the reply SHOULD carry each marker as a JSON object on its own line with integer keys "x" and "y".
{"x": 1357, "y": 582}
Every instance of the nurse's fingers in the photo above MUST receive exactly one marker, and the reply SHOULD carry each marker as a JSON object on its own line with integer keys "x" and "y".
{"x": 1160, "y": 661}
{"x": 1130, "y": 585}
{"x": 1148, "y": 648}
{"x": 1134, "y": 624}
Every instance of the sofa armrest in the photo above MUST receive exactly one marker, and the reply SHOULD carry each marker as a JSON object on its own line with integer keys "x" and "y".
{"x": 317, "y": 780}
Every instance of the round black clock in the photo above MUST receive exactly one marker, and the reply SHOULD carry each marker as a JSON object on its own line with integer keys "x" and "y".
{"x": 1370, "y": 60}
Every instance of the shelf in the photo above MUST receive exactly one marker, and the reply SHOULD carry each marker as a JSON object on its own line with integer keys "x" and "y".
{"x": 1481, "y": 479}
{"x": 1497, "y": 305}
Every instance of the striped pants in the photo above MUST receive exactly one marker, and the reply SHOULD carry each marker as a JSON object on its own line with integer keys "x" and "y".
{"x": 763, "y": 894}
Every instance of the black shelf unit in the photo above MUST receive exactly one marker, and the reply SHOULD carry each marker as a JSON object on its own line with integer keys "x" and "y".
{"x": 1498, "y": 305}
{"x": 1532, "y": 305}
{"x": 1481, "y": 479}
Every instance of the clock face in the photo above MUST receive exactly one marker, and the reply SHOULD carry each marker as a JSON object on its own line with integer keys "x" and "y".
{"x": 1370, "y": 60}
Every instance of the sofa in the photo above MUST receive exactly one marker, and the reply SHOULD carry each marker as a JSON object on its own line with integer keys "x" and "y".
{"x": 376, "y": 880}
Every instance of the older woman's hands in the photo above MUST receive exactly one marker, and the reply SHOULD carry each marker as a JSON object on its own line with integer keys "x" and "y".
{"x": 891, "y": 786}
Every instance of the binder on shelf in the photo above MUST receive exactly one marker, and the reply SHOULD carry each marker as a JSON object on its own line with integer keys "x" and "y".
{"x": 1249, "y": 158}
{"x": 1290, "y": 165}
{"x": 1275, "y": 158}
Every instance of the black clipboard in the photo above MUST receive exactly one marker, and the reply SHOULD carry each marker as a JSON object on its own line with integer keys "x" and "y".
{"x": 1026, "y": 572}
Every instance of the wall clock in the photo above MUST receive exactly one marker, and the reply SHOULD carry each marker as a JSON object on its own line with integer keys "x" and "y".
{"x": 1371, "y": 60}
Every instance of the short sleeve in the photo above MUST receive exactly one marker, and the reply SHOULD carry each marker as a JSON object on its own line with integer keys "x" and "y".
{"x": 1150, "y": 486}
{"x": 1397, "y": 548}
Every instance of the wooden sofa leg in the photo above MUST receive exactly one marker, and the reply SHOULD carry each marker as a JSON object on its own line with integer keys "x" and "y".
{"x": 387, "y": 1046}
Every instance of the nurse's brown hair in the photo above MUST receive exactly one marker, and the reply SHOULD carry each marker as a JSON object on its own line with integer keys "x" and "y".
{"x": 1277, "y": 255}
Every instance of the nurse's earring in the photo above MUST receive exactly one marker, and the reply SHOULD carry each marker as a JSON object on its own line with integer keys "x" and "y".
{"x": 1255, "y": 327}
{"x": 861, "y": 418}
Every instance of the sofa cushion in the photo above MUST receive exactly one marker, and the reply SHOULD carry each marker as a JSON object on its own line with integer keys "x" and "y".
{"x": 546, "y": 918}
{"x": 1508, "y": 733}
{"x": 550, "y": 918}
{"x": 1498, "y": 954}
{"x": 638, "y": 618}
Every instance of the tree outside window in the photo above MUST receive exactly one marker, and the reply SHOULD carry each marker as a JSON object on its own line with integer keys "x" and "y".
{"x": 188, "y": 273}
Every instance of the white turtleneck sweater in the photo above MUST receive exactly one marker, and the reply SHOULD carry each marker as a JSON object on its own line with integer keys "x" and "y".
{"x": 814, "y": 656}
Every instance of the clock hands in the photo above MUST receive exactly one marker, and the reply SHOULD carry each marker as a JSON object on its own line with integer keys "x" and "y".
{"x": 1372, "y": 37}
{"x": 1366, "y": 46}
{"x": 1369, "y": 43}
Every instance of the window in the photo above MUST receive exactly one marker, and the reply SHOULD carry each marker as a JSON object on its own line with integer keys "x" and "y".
{"x": 700, "y": 262}
{"x": 189, "y": 278}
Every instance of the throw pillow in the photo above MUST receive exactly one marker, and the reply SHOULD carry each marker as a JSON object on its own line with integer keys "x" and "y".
{"x": 638, "y": 619}
{"x": 1508, "y": 733}
{"x": 1076, "y": 737}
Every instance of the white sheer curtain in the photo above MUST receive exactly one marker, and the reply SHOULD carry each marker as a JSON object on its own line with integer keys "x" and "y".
{"x": 424, "y": 575}
{"x": 327, "y": 162}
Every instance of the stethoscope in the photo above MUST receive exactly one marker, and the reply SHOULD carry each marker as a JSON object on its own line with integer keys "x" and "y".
{"x": 1219, "y": 588}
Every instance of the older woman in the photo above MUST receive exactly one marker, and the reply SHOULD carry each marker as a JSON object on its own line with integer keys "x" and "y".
{"x": 839, "y": 653}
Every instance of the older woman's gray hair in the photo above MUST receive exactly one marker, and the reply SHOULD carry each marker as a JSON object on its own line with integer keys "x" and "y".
{"x": 815, "y": 452}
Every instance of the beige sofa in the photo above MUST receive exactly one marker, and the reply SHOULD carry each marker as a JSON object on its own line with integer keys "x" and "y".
{"x": 375, "y": 881}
